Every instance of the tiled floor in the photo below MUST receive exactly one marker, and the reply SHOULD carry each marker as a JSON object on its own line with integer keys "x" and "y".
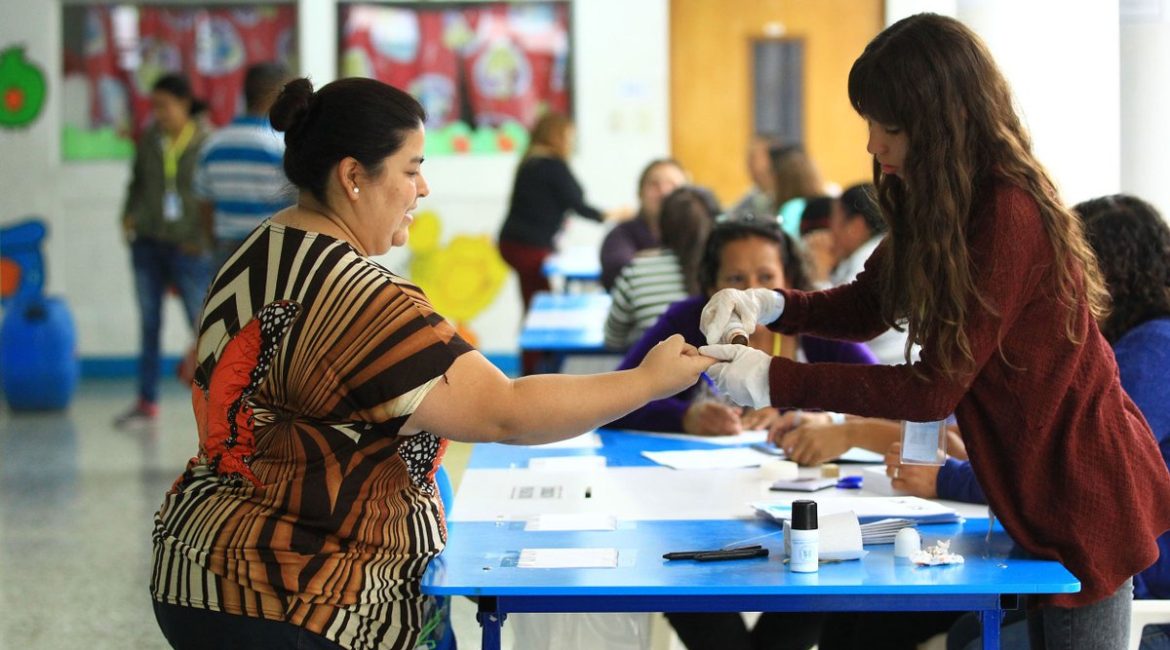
{"x": 76, "y": 501}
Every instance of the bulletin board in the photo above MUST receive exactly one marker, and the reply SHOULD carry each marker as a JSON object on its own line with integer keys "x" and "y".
{"x": 483, "y": 71}
{"x": 114, "y": 54}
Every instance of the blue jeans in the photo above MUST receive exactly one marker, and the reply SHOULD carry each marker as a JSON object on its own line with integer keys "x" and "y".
{"x": 1154, "y": 637}
{"x": 157, "y": 266}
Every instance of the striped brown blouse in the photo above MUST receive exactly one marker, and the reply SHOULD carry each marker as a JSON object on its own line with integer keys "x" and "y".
{"x": 304, "y": 504}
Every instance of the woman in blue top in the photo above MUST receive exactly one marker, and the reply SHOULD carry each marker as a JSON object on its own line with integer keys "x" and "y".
{"x": 740, "y": 255}
{"x": 1132, "y": 244}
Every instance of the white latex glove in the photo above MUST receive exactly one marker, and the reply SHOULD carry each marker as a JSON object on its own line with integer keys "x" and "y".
{"x": 733, "y": 309}
{"x": 743, "y": 374}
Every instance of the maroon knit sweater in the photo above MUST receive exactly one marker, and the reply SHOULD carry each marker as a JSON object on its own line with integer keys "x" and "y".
{"x": 1067, "y": 461}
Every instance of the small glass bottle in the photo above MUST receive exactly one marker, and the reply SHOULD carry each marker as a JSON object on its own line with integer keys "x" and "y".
{"x": 804, "y": 556}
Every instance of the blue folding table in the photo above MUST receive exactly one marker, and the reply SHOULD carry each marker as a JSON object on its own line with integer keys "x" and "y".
{"x": 481, "y": 557}
{"x": 564, "y": 324}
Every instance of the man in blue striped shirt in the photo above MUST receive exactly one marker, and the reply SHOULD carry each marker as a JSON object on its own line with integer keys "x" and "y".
{"x": 240, "y": 177}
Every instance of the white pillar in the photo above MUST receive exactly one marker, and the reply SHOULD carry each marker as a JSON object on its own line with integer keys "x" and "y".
{"x": 1145, "y": 97}
{"x": 1062, "y": 60}
{"x": 317, "y": 44}
{"x": 898, "y": 9}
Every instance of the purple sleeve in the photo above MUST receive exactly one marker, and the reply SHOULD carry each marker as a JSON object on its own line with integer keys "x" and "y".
{"x": 617, "y": 250}
{"x": 664, "y": 414}
{"x": 956, "y": 482}
{"x": 820, "y": 350}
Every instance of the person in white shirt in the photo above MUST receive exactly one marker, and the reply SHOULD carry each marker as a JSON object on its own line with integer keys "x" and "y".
{"x": 856, "y": 227}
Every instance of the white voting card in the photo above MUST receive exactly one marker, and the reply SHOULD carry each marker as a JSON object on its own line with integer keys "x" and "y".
{"x": 572, "y": 521}
{"x": 755, "y": 436}
{"x": 568, "y": 558}
{"x": 708, "y": 458}
{"x": 567, "y": 463}
{"x": 584, "y": 441}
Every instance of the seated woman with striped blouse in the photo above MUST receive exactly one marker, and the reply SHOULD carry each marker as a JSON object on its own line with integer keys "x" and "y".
{"x": 657, "y": 277}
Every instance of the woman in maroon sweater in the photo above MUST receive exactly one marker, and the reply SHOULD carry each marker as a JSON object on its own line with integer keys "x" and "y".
{"x": 992, "y": 276}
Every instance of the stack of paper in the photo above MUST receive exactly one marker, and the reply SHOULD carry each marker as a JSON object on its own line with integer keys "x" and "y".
{"x": 883, "y": 531}
{"x": 867, "y": 509}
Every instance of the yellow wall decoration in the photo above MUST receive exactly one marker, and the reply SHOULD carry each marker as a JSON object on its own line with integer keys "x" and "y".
{"x": 462, "y": 278}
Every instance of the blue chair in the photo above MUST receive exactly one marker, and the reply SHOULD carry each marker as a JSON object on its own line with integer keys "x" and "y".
{"x": 443, "y": 604}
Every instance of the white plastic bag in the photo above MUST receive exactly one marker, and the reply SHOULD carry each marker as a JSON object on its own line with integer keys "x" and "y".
{"x": 617, "y": 631}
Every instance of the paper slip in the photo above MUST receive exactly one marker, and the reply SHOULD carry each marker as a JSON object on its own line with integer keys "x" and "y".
{"x": 568, "y": 558}
{"x": 859, "y": 455}
{"x": 583, "y": 521}
{"x": 755, "y": 436}
{"x": 838, "y": 538}
{"x": 867, "y": 509}
{"x": 877, "y": 481}
{"x": 562, "y": 319}
{"x": 708, "y": 458}
{"x": 584, "y": 441}
{"x": 567, "y": 463}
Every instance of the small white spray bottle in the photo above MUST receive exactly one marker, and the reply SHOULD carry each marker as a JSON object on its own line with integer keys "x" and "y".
{"x": 805, "y": 557}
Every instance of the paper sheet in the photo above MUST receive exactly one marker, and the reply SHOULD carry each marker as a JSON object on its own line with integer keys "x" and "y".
{"x": 868, "y": 509}
{"x": 568, "y": 558}
{"x": 567, "y": 463}
{"x": 708, "y": 458}
{"x": 584, "y": 441}
{"x": 572, "y": 521}
{"x": 859, "y": 455}
{"x": 752, "y": 437}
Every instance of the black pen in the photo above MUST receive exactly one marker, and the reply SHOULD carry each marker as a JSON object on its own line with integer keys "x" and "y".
{"x": 691, "y": 555}
{"x": 735, "y": 554}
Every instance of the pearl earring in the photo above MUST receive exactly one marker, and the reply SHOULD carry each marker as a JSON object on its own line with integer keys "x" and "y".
{"x": 355, "y": 190}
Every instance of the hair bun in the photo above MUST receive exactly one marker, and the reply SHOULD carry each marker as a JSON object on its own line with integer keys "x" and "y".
{"x": 292, "y": 105}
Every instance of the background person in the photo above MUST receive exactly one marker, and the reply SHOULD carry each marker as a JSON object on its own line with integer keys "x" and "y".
{"x": 239, "y": 177}
{"x": 169, "y": 246}
{"x": 658, "y": 179}
{"x": 658, "y": 277}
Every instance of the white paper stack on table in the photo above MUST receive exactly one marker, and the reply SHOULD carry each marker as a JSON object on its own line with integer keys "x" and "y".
{"x": 883, "y": 531}
{"x": 867, "y": 509}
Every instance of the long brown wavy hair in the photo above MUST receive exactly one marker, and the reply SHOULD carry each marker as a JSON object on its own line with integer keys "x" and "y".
{"x": 932, "y": 77}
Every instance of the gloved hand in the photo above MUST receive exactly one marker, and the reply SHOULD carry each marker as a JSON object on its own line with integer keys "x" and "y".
{"x": 742, "y": 375}
{"x": 732, "y": 309}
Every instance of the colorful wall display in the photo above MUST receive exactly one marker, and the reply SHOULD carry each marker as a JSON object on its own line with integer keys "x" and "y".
{"x": 119, "y": 51}
{"x": 484, "y": 72}
{"x": 22, "y": 89}
{"x": 461, "y": 278}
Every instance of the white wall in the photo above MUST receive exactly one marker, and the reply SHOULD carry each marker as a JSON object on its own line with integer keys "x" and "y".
{"x": 621, "y": 93}
{"x": 1061, "y": 59}
{"x": 1145, "y": 131}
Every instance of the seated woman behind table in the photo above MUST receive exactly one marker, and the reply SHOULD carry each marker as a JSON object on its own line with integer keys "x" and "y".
{"x": 658, "y": 277}
{"x": 741, "y": 255}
